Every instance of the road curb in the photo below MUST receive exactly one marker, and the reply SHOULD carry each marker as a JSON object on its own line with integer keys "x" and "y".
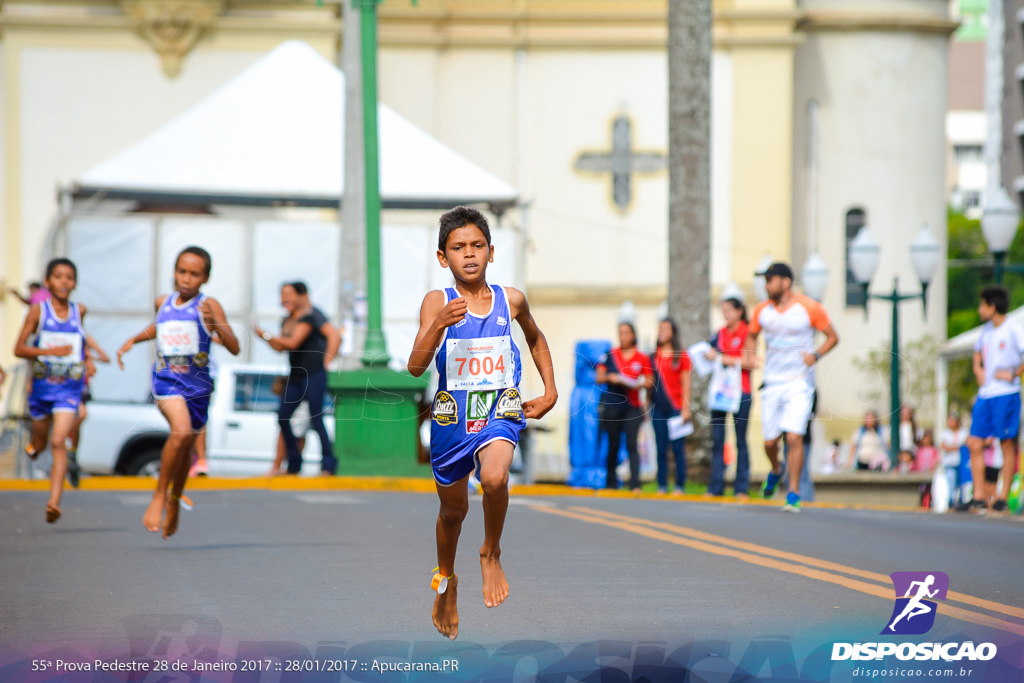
{"x": 408, "y": 485}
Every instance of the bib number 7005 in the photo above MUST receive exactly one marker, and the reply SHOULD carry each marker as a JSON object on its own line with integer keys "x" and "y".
{"x": 483, "y": 363}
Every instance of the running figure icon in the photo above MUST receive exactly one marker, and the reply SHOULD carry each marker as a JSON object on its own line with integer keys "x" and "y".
{"x": 915, "y": 607}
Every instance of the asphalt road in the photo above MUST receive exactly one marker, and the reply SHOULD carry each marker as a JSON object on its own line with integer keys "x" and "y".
{"x": 321, "y": 574}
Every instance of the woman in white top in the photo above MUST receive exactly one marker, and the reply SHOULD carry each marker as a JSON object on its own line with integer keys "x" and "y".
{"x": 954, "y": 438}
{"x": 910, "y": 433}
{"x": 867, "y": 448}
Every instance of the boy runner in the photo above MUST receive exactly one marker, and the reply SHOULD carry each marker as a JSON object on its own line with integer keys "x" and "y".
{"x": 477, "y": 413}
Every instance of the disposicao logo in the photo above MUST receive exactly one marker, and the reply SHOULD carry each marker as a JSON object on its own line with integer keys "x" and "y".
{"x": 916, "y": 606}
{"x": 914, "y": 614}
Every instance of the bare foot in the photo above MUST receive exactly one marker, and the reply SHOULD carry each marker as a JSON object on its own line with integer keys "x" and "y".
{"x": 153, "y": 518}
{"x": 171, "y": 515}
{"x": 495, "y": 585}
{"x": 446, "y": 610}
{"x": 52, "y": 513}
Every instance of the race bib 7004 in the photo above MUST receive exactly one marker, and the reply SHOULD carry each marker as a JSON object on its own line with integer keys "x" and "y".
{"x": 479, "y": 364}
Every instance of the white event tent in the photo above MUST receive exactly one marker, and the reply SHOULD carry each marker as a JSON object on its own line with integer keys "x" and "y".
{"x": 246, "y": 174}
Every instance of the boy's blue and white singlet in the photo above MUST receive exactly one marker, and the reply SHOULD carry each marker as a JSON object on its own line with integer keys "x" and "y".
{"x": 182, "y": 365}
{"x": 57, "y": 381}
{"x": 477, "y": 400}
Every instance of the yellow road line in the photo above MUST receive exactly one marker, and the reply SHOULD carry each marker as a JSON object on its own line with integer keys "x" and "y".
{"x": 1008, "y": 610}
{"x": 770, "y": 563}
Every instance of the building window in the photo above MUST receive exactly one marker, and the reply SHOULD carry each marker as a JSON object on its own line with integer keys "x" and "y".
{"x": 965, "y": 153}
{"x": 971, "y": 199}
{"x": 855, "y": 220}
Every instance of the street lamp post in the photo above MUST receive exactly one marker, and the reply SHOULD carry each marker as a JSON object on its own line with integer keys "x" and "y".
{"x": 999, "y": 223}
{"x": 375, "y": 350}
{"x": 865, "y": 253}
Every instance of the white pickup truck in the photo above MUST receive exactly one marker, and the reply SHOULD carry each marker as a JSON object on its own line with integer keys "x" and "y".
{"x": 241, "y": 435}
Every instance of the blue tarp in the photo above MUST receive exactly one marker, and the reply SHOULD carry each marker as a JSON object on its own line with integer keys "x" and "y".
{"x": 587, "y": 445}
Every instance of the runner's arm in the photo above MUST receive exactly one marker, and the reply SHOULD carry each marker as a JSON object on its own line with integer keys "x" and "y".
{"x": 831, "y": 339}
{"x": 538, "y": 343}
{"x": 218, "y": 322}
{"x": 435, "y": 318}
{"x": 100, "y": 354}
{"x": 22, "y": 348}
{"x": 750, "y": 350}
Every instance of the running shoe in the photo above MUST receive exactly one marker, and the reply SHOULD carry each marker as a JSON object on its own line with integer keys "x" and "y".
{"x": 973, "y": 505}
{"x": 999, "y": 506}
{"x": 74, "y": 471}
{"x": 772, "y": 482}
{"x": 792, "y": 503}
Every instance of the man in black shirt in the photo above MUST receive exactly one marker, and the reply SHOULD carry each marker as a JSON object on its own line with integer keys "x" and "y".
{"x": 311, "y": 342}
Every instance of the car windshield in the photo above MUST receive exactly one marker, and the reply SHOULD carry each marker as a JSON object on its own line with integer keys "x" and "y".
{"x": 254, "y": 392}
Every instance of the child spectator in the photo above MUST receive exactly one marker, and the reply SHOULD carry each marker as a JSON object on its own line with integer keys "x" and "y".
{"x": 927, "y": 454}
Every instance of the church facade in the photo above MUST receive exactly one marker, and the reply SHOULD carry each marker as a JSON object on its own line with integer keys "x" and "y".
{"x": 826, "y": 115}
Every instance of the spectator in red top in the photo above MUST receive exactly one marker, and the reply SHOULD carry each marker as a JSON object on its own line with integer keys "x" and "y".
{"x": 624, "y": 371}
{"x": 728, "y": 345}
{"x": 670, "y": 399}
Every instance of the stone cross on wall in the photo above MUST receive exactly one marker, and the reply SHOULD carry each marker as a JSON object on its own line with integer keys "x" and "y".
{"x": 621, "y": 162}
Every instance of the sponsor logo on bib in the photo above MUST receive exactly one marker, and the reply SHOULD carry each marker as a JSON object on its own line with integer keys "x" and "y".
{"x": 478, "y": 409}
{"x": 510, "y": 405}
{"x": 445, "y": 411}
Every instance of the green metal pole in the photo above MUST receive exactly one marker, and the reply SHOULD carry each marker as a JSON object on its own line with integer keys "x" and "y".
{"x": 375, "y": 349}
{"x": 894, "y": 379}
{"x": 999, "y": 256}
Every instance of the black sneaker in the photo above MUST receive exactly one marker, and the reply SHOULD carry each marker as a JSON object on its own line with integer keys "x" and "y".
{"x": 973, "y": 505}
{"x": 74, "y": 471}
{"x": 999, "y": 506}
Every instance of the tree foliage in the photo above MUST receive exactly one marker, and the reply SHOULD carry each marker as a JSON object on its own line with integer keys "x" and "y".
{"x": 917, "y": 376}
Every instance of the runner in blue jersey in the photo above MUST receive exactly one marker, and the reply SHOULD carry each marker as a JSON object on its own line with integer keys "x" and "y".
{"x": 187, "y": 322}
{"x": 478, "y": 413}
{"x": 53, "y": 338}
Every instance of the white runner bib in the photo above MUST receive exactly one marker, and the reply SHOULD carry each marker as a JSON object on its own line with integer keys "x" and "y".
{"x": 479, "y": 364}
{"x": 51, "y": 340}
{"x": 177, "y": 338}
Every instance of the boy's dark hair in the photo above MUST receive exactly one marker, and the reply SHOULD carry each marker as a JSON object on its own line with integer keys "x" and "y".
{"x": 299, "y": 286}
{"x": 37, "y": 285}
{"x": 52, "y": 266}
{"x": 460, "y": 217}
{"x": 998, "y": 296}
{"x": 197, "y": 251}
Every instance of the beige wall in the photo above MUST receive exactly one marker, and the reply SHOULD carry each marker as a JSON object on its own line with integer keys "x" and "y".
{"x": 880, "y": 148}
